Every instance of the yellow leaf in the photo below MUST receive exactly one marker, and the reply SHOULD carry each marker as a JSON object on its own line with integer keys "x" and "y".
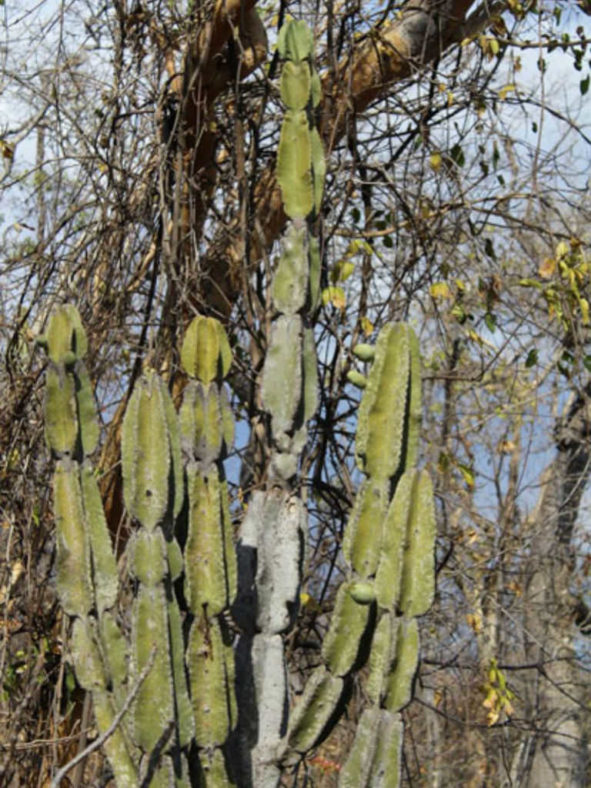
{"x": 584, "y": 304}
{"x": 342, "y": 271}
{"x": 515, "y": 587}
{"x": 492, "y": 716}
{"x": 435, "y": 161}
{"x": 450, "y": 98}
{"x": 491, "y": 699}
{"x": 335, "y": 296}
{"x": 562, "y": 250}
{"x": 439, "y": 290}
{"x": 505, "y": 90}
{"x": 366, "y": 326}
{"x": 6, "y": 150}
{"x": 506, "y": 447}
{"x": 471, "y": 536}
{"x": 309, "y": 603}
{"x": 547, "y": 268}
{"x": 475, "y": 621}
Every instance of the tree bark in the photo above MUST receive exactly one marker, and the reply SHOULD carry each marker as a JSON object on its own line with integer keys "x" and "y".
{"x": 557, "y": 753}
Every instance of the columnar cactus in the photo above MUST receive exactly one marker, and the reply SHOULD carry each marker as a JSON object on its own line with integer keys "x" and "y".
{"x": 147, "y": 676}
{"x": 389, "y": 543}
{"x": 86, "y": 570}
{"x": 207, "y": 431}
{"x": 153, "y": 494}
{"x": 275, "y": 526}
{"x": 171, "y": 678}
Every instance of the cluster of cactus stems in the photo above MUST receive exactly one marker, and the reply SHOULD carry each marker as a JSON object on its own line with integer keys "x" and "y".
{"x": 173, "y": 678}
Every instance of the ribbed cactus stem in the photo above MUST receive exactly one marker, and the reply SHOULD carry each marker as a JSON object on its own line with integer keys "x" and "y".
{"x": 275, "y": 526}
{"x": 393, "y": 542}
{"x": 87, "y": 581}
{"x": 153, "y": 493}
{"x": 209, "y": 557}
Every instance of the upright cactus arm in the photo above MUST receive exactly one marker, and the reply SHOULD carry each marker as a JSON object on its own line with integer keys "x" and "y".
{"x": 162, "y": 723}
{"x": 209, "y": 557}
{"x": 275, "y": 527}
{"x": 387, "y": 449}
{"x": 389, "y": 547}
{"x": 87, "y": 581}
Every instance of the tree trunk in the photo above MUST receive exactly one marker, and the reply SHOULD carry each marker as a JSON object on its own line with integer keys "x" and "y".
{"x": 557, "y": 754}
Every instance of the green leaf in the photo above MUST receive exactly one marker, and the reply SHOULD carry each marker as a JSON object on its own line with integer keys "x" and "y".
{"x": 532, "y": 358}
{"x": 584, "y": 85}
{"x": 491, "y": 321}
{"x": 467, "y": 474}
{"x": 457, "y": 155}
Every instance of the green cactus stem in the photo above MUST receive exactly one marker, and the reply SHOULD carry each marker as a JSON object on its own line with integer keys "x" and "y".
{"x": 154, "y": 705}
{"x": 205, "y": 352}
{"x": 363, "y": 536}
{"x": 73, "y": 565}
{"x": 104, "y": 566}
{"x": 418, "y": 578}
{"x": 65, "y": 338}
{"x": 295, "y": 85}
{"x": 381, "y": 419}
{"x": 340, "y": 648}
{"x": 90, "y": 674}
{"x": 61, "y": 421}
{"x": 357, "y": 769}
{"x": 282, "y": 376}
{"x": 148, "y": 452}
{"x": 211, "y": 670}
{"x": 290, "y": 283}
{"x": 375, "y": 758}
{"x": 415, "y": 403}
{"x": 381, "y": 657}
{"x": 399, "y": 683}
{"x": 295, "y": 42}
{"x": 210, "y": 579}
{"x": 310, "y": 718}
{"x": 394, "y": 534}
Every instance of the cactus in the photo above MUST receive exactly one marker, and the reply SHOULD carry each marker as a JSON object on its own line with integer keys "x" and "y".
{"x": 170, "y": 677}
{"x": 393, "y": 545}
{"x": 209, "y": 558}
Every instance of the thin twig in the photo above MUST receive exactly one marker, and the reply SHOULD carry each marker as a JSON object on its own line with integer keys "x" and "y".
{"x": 98, "y": 742}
